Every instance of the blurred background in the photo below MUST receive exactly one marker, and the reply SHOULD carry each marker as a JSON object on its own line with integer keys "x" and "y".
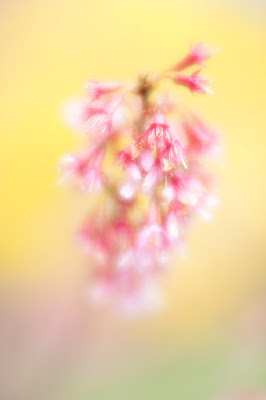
{"x": 208, "y": 341}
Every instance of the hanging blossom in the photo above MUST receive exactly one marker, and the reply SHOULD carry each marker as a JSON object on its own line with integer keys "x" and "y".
{"x": 196, "y": 56}
{"x": 143, "y": 158}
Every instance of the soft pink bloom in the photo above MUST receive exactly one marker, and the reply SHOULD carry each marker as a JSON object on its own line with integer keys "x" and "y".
{"x": 197, "y": 55}
{"x": 91, "y": 118}
{"x": 191, "y": 191}
{"x": 194, "y": 82}
{"x": 202, "y": 138}
{"x": 168, "y": 194}
{"x": 152, "y": 179}
{"x": 75, "y": 113}
{"x": 93, "y": 180}
{"x": 158, "y": 136}
{"x": 172, "y": 156}
{"x": 134, "y": 172}
{"x": 152, "y": 234}
{"x": 182, "y": 213}
{"x": 96, "y": 89}
{"x": 82, "y": 171}
{"x": 159, "y": 186}
{"x": 146, "y": 160}
{"x": 98, "y": 121}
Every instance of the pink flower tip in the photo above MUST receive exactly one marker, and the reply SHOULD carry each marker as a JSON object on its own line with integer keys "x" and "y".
{"x": 199, "y": 53}
{"x": 194, "y": 82}
{"x": 96, "y": 89}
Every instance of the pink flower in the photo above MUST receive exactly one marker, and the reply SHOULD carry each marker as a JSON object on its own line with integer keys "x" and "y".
{"x": 98, "y": 121}
{"x": 72, "y": 166}
{"x": 198, "y": 53}
{"x": 75, "y": 113}
{"x": 82, "y": 171}
{"x": 97, "y": 89}
{"x": 158, "y": 136}
{"x": 146, "y": 160}
{"x": 202, "y": 138}
{"x": 152, "y": 179}
{"x": 161, "y": 184}
{"x": 152, "y": 234}
{"x": 84, "y": 117}
{"x": 191, "y": 191}
{"x": 194, "y": 82}
{"x": 167, "y": 194}
{"x": 95, "y": 117}
{"x": 172, "y": 156}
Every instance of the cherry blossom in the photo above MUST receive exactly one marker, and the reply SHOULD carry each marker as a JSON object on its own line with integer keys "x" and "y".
{"x": 144, "y": 159}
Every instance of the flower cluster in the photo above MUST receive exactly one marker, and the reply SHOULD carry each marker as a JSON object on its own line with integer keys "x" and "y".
{"x": 143, "y": 158}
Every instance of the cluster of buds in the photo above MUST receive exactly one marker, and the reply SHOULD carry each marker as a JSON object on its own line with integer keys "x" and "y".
{"x": 144, "y": 158}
